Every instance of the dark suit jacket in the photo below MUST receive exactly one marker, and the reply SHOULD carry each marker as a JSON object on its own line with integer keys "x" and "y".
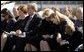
{"x": 33, "y": 25}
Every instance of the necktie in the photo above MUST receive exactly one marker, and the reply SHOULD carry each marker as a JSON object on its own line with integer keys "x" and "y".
{"x": 27, "y": 24}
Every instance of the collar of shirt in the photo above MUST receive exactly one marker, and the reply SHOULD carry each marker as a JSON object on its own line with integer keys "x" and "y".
{"x": 32, "y": 15}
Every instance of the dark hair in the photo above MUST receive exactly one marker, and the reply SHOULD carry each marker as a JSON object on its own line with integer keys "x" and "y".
{"x": 6, "y": 12}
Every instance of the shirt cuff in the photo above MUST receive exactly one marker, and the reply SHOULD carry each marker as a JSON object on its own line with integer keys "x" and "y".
{"x": 23, "y": 35}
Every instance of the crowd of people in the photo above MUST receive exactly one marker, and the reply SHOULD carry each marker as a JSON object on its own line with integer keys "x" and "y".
{"x": 47, "y": 30}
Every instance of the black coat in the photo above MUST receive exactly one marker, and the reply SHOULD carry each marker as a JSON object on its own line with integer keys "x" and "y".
{"x": 7, "y": 26}
{"x": 48, "y": 27}
{"x": 19, "y": 25}
{"x": 75, "y": 40}
{"x": 33, "y": 25}
{"x": 32, "y": 33}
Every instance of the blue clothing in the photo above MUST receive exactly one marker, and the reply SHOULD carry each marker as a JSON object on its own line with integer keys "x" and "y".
{"x": 79, "y": 26}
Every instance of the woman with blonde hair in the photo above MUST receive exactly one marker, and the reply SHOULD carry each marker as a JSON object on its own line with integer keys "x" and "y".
{"x": 44, "y": 29}
{"x": 59, "y": 36}
{"x": 17, "y": 11}
{"x": 72, "y": 31}
{"x": 50, "y": 29}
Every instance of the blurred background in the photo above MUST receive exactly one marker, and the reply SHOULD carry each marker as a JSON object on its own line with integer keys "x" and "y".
{"x": 44, "y": 4}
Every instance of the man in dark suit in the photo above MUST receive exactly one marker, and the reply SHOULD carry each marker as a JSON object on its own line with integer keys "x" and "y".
{"x": 32, "y": 23}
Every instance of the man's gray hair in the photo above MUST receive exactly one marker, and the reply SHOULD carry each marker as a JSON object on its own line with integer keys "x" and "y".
{"x": 34, "y": 5}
